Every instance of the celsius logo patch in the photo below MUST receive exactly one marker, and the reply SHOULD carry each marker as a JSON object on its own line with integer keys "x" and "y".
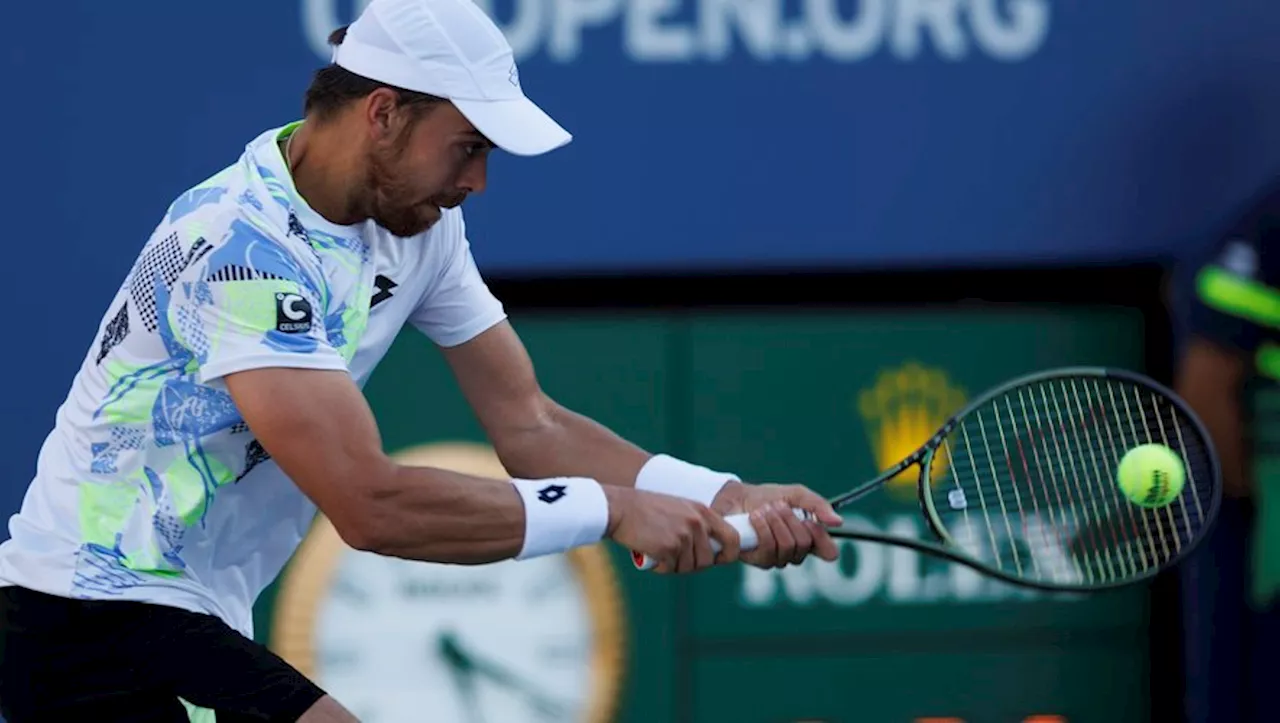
{"x": 293, "y": 314}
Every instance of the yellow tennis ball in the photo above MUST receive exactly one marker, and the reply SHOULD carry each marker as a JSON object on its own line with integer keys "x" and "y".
{"x": 1151, "y": 475}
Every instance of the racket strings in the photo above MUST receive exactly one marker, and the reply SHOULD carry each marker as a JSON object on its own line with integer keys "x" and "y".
{"x": 1030, "y": 482}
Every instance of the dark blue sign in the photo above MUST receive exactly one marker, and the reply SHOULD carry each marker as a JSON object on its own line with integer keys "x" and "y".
{"x": 709, "y": 133}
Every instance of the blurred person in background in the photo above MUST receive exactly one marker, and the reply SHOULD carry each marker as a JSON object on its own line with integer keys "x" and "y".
{"x": 1227, "y": 319}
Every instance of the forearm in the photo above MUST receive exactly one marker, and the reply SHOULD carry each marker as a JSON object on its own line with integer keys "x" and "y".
{"x": 535, "y": 437}
{"x": 437, "y": 515}
{"x": 565, "y": 443}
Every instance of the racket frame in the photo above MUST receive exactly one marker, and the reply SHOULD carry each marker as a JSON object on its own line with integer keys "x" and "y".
{"x": 946, "y": 548}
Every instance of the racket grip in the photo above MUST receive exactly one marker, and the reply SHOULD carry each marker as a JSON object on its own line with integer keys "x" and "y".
{"x": 747, "y": 538}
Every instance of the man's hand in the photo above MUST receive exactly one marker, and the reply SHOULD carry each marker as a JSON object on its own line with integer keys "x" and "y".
{"x": 674, "y": 531}
{"x": 784, "y": 539}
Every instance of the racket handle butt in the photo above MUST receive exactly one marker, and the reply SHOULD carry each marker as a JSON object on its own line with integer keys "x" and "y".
{"x": 747, "y": 538}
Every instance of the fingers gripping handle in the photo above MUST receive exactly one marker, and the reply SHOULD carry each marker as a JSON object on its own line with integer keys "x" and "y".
{"x": 747, "y": 538}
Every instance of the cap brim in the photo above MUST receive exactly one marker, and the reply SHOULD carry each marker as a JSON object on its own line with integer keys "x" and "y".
{"x": 517, "y": 125}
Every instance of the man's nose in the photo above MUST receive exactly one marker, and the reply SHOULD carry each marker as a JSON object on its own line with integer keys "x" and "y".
{"x": 475, "y": 175}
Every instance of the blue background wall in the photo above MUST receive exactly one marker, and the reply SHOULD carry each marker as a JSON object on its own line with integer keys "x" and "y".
{"x": 711, "y": 134}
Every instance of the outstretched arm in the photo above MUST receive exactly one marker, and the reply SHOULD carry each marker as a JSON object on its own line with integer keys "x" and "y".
{"x": 535, "y": 436}
{"x": 319, "y": 429}
{"x": 247, "y": 315}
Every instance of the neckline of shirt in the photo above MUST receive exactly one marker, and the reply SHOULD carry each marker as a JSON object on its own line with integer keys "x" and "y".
{"x": 308, "y": 216}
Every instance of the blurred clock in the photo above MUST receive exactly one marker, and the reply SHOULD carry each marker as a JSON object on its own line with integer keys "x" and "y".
{"x": 535, "y": 641}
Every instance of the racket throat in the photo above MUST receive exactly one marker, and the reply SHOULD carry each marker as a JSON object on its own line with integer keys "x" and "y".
{"x": 858, "y": 493}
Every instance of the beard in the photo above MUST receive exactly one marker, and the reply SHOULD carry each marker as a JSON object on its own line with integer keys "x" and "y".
{"x": 394, "y": 207}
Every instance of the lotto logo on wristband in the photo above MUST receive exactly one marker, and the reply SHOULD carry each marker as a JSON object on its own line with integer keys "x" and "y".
{"x": 552, "y": 494}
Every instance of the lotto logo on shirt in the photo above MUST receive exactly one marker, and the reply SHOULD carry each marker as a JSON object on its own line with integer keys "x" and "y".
{"x": 293, "y": 314}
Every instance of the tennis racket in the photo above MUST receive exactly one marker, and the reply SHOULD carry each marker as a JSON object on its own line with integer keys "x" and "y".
{"x": 1021, "y": 484}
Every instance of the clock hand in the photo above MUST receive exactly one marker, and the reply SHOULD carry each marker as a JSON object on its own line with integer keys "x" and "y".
{"x": 548, "y": 707}
{"x": 452, "y": 652}
{"x": 463, "y": 670}
{"x": 463, "y": 659}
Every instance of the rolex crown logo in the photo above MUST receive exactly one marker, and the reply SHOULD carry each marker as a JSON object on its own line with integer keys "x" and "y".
{"x": 901, "y": 411}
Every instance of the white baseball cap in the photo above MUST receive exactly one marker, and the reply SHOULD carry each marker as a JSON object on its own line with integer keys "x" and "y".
{"x": 450, "y": 49}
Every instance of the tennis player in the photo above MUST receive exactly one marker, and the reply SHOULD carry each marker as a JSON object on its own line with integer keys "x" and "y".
{"x": 219, "y": 405}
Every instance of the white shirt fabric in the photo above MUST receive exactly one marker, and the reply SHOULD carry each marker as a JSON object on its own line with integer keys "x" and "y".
{"x": 150, "y": 486}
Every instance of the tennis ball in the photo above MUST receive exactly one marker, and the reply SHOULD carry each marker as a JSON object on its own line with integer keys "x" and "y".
{"x": 1151, "y": 475}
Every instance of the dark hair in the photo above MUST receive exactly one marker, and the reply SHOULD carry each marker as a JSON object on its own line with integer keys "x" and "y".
{"x": 333, "y": 87}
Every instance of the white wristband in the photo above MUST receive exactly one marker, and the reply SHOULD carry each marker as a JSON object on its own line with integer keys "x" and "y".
{"x": 670, "y": 476}
{"x": 561, "y": 513}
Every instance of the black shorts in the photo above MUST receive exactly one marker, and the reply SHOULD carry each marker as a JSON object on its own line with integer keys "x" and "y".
{"x": 108, "y": 661}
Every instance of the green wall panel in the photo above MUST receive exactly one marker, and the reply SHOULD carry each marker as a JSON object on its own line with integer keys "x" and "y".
{"x": 780, "y": 398}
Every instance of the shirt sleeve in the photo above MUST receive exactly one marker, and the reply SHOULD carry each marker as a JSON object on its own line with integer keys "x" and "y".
{"x": 457, "y": 305}
{"x": 248, "y": 303}
{"x": 1228, "y": 291}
